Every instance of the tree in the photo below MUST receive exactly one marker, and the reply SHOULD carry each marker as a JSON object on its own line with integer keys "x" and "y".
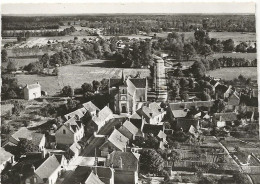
{"x": 241, "y": 178}
{"x": 198, "y": 69}
{"x": 11, "y": 66}
{"x": 205, "y": 50}
{"x": 218, "y": 106}
{"x": 26, "y": 146}
{"x": 184, "y": 83}
{"x": 18, "y": 107}
{"x": 71, "y": 105}
{"x": 67, "y": 91}
{"x": 229, "y": 45}
{"x": 242, "y": 47}
{"x": 175, "y": 92}
{"x": 184, "y": 96}
{"x": 4, "y": 56}
{"x": 96, "y": 85}
{"x": 151, "y": 161}
{"x": 11, "y": 94}
{"x": 45, "y": 60}
{"x": 205, "y": 96}
{"x": 86, "y": 87}
{"x": 189, "y": 51}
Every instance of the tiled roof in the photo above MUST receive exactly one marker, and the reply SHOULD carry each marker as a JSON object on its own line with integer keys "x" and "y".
{"x": 79, "y": 112}
{"x": 115, "y": 82}
{"x": 185, "y": 123}
{"x": 46, "y": 169}
{"x": 90, "y": 106}
{"x": 73, "y": 124}
{"x": 24, "y": 133}
{"x": 75, "y": 147}
{"x": 33, "y": 86}
{"x": 150, "y": 128}
{"x": 129, "y": 126}
{"x": 162, "y": 135}
{"x": 226, "y": 116}
{"x": 102, "y": 115}
{"x": 93, "y": 179}
{"x": 127, "y": 160}
{"x": 138, "y": 83}
{"x": 135, "y": 116}
{"x": 36, "y": 138}
{"x": 179, "y": 113}
{"x": 4, "y": 155}
{"x": 118, "y": 139}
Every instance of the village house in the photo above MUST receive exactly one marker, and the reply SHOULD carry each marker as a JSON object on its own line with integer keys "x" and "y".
{"x": 185, "y": 124}
{"x": 224, "y": 119}
{"x": 174, "y": 114}
{"x": 128, "y": 130}
{"x": 78, "y": 114}
{"x": 70, "y": 132}
{"x": 6, "y": 158}
{"x": 101, "y": 118}
{"x": 152, "y": 113}
{"x": 206, "y": 105}
{"x": 90, "y": 175}
{"x": 48, "y": 172}
{"x": 234, "y": 99}
{"x": 128, "y": 94}
{"x": 37, "y": 139}
{"x": 74, "y": 151}
{"x": 126, "y": 166}
{"x": 116, "y": 141}
{"x": 32, "y": 91}
{"x": 91, "y": 108}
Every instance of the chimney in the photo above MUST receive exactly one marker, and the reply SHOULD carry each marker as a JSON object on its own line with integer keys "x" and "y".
{"x": 37, "y": 83}
{"x": 32, "y": 168}
{"x": 151, "y": 114}
{"x": 220, "y": 118}
{"x": 97, "y": 113}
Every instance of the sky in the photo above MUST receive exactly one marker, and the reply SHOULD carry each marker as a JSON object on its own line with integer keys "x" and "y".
{"x": 126, "y": 7}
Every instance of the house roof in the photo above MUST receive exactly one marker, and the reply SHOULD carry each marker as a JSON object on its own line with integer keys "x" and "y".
{"x": 46, "y": 169}
{"x": 138, "y": 83}
{"x": 135, "y": 116}
{"x": 115, "y": 82}
{"x": 179, "y": 113}
{"x": 221, "y": 87}
{"x": 37, "y": 138}
{"x": 128, "y": 160}
{"x": 79, "y": 112}
{"x": 82, "y": 173}
{"x": 24, "y": 133}
{"x": 129, "y": 126}
{"x": 93, "y": 179}
{"x": 4, "y": 155}
{"x": 102, "y": 115}
{"x": 90, "y": 106}
{"x": 231, "y": 116}
{"x": 73, "y": 125}
{"x": 151, "y": 128}
{"x": 33, "y": 86}
{"x": 118, "y": 139}
{"x": 162, "y": 135}
{"x": 75, "y": 147}
{"x": 186, "y": 123}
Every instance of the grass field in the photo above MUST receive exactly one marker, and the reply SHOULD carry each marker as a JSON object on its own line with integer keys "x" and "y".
{"x": 76, "y": 75}
{"x": 250, "y": 56}
{"x": 236, "y": 36}
{"x": 21, "y": 62}
{"x": 234, "y": 72}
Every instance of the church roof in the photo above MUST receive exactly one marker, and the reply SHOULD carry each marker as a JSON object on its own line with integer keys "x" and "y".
{"x": 138, "y": 83}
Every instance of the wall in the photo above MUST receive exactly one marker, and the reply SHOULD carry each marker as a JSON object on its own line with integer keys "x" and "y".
{"x": 126, "y": 177}
{"x": 61, "y": 138}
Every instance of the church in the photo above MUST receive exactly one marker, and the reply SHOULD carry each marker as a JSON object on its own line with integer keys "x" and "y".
{"x": 128, "y": 94}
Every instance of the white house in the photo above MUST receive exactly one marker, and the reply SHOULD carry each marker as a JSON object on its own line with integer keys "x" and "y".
{"x": 32, "y": 91}
{"x": 70, "y": 132}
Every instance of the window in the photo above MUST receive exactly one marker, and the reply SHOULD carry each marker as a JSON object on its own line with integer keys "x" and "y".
{"x": 64, "y": 131}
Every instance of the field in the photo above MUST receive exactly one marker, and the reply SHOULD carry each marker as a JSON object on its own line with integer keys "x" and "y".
{"x": 21, "y": 62}
{"x": 76, "y": 75}
{"x": 250, "y": 56}
{"x": 236, "y": 36}
{"x": 234, "y": 72}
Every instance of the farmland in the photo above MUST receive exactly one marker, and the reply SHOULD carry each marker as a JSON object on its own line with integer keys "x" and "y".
{"x": 250, "y": 56}
{"x": 77, "y": 74}
{"x": 236, "y": 36}
{"x": 234, "y": 72}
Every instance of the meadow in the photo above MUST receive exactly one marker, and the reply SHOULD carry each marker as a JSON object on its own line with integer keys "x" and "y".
{"x": 234, "y": 72}
{"x": 77, "y": 74}
{"x": 250, "y": 56}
